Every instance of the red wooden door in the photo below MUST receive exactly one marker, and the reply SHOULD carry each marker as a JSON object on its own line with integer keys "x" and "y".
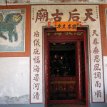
{"x": 79, "y": 38}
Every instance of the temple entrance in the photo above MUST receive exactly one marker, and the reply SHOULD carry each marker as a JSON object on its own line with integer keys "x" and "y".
{"x": 65, "y": 67}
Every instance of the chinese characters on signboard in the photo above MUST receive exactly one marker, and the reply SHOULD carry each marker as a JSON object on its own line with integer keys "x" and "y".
{"x": 97, "y": 72}
{"x": 36, "y": 75}
{"x": 43, "y": 15}
{"x": 66, "y": 26}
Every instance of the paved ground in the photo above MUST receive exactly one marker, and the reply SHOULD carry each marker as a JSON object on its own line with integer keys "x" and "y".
{"x": 67, "y": 105}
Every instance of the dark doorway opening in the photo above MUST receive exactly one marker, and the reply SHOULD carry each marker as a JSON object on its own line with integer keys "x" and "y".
{"x": 65, "y": 67}
{"x": 62, "y": 71}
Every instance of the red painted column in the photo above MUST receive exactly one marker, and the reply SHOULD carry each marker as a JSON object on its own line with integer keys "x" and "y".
{"x": 79, "y": 72}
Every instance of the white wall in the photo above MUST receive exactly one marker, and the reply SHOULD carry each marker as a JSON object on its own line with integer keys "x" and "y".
{"x": 105, "y": 75}
{"x": 14, "y": 80}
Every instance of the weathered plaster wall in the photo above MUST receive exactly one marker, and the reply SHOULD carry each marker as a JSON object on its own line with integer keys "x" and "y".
{"x": 14, "y": 80}
{"x": 18, "y": 69}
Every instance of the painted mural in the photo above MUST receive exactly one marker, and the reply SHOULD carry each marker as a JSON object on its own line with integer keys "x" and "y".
{"x": 44, "y": 16}
{"x": 51, "y": 1}
{"x": 12, "y": 30}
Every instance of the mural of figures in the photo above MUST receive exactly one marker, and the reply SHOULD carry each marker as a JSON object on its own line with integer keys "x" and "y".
{"x": 51, "y": 1}
{"x": 18, "y": 1}
{"x": 12, "y": 30}
{"x": 96, "y": 1}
